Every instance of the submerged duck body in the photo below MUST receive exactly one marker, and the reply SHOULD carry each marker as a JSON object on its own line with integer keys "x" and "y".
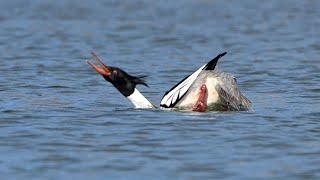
{"x": 207, "y": 89}
{"x": 222, "y": 93}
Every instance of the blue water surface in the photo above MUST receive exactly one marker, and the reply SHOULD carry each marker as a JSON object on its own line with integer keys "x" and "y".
{"x": 60, "y": 120}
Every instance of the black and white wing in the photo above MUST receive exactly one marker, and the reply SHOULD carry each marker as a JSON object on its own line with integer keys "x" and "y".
{"x": 172, "y": 97}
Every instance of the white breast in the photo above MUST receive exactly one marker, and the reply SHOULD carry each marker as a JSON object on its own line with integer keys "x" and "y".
{"x": 139, "y": 101}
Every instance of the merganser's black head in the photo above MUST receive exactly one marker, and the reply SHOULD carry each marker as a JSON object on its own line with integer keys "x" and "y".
{"x": 121, "y": 80}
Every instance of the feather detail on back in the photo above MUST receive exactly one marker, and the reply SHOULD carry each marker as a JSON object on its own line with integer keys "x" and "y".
{"x": 176, "y": 93}
{"x": 172, "y": 96}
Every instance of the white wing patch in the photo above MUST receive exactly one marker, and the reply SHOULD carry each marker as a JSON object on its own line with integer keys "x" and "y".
{"x": 171, "y": 97}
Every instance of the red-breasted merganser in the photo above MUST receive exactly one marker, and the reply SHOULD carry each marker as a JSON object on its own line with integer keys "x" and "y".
{"x": 207, "y": 89}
